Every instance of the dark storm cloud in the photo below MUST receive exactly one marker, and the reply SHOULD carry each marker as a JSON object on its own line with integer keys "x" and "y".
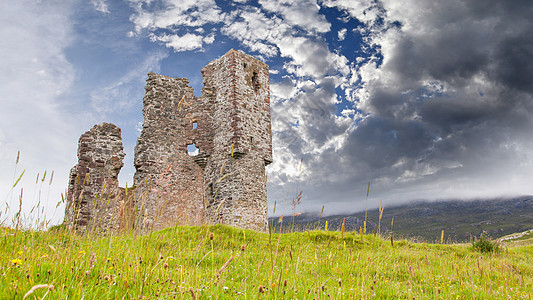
{"x": 514, "y": 67}
{"x": 481, "y": 56}
{"x": 450, "y": 107}
{"x": 462, "y": 39}
{"x": 453, "y": 55}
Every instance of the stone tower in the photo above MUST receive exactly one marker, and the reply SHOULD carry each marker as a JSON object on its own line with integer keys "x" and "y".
{"x": 242, "y": 141}
{"x": 201, "y": 159}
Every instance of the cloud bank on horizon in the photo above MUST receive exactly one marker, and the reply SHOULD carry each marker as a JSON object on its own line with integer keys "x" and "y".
{"x": 424, "y": 99}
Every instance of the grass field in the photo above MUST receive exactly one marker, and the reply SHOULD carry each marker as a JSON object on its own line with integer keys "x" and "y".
{"x": 220, "y": 262}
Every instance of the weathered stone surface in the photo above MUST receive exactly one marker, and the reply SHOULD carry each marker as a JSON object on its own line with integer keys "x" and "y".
{"x": 93, "y": 196}
{"x": 242, "y": 141}
{"x": 229, "y": 124}
{"x": 223, "y": 181}
{"x": 169, "y": 183}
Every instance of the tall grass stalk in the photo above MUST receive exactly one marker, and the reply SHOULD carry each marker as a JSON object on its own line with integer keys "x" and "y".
{"x": 366, "y": 206}
{"x": 277, "y": 248}
{"x": 15, "y": 182}
{"x": 343, "y": 228}
{"x": 381, "y": 208}
{"x": 320, "y": 216}
{"x": 17, "y": 218}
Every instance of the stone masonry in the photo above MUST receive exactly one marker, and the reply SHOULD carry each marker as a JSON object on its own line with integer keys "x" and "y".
{"x": 93, "y": 197}
{"x": 198, "y": 159}
{"x": 242, "y": 142}
{"x": 168, "y": 180}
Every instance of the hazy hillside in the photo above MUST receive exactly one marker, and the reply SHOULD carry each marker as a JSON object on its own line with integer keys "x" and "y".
{"x": 425, "y": 220}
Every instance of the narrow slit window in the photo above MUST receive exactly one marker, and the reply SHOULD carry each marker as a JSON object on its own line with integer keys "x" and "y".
{"x": 255, "y": 81}
{"x": 192, "y": 150}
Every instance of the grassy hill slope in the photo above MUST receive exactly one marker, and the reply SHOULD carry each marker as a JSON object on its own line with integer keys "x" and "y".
{"x": 424, "y": 221}
{"x": 228, "y": 263}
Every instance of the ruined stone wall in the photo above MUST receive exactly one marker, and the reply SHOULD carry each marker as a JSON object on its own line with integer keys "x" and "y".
{"x": 94, "y": 197}
{"x": 242, "y": 142}
{"x": 224, "y": 181}
{"x": 169, "y": 181}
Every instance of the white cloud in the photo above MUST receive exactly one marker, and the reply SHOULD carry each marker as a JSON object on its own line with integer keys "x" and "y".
{"x": 271, "y": 35}
{"x": 316, "y": 61}
{"x": 301, "y": 13}
{"x": 256, "y": 31}
{"x": 341, "y": 34}
{"x": 304, "y": 127}
{"x": 172, "y": 17}
{"x": 101, "y": 6}
{"x": 283, "y": 90}
{"x": 209, "y": 39}
{"x": 366, "y": 11}
{"x": 186, "y": 42}
{"x": 193, "y": 13}
{"x": 347, "y": 112}
{"x": 33, "y": 119}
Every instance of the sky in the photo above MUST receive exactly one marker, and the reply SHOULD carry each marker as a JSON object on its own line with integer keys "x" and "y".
{"x": 423, "y": 99}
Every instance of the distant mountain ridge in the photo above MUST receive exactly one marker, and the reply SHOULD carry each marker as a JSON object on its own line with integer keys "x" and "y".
{"x": 424, "y": 220}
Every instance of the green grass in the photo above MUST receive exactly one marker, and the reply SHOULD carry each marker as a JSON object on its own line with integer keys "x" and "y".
{"x": 305, "y": 265}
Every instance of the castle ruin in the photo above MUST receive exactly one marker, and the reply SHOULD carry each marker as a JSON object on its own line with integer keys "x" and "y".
{"x": 198, "y": 160}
